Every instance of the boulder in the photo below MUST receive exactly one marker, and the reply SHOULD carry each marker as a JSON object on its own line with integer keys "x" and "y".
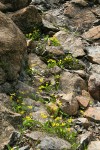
{"x": 27, "y": 18}
{"x": 12, "y": 49}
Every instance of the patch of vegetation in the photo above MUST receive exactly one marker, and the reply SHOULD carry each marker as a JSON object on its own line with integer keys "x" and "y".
{"x": 67, "y": 62}
{"x": 35, "y": 35}
{"x": 58, "y": 123}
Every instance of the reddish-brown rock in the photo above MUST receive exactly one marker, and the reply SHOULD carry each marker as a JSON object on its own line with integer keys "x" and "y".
{"x": 93, "y": 113}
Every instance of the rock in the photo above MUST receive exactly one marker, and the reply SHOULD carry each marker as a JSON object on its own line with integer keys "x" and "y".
{"x": 54, "y": 143}
{"x": 40, "y": 115}
{"x": 12, "y": 50}
{"x": 80, "y": 18}
{"x": 92, "y": 34}
{"x": 93, "y": 113}
{"x": 8, "y": 121}
{"x": 70, "y": 82}
{"x": 54, "y": 50}
{"x": 69, "y": 104}
{"x": 54, "y": 19}
{"x": 94, "y": 145}
{"x": 47, "y": 142}
{"x": 7, "y": 87}
{"x": 54, "y": 70}
{"x": 45, "y": 4}
{"x": 94, "y": 86}
{"x": 36, "y": 135}
{"x": 6, "y": 130}
{"x": 17, "y": 4}
{"x": 83, "y": 122}
{"x": 82, "y": 101}
{"x": 93, "y": 54}
{"x": 2, "y": 76}
{"x": 84, "y": 139}
{"x": 29, "y": 15}
{"x": 24, "y": 147}
{"x": 80, "y": 2}
{"x": 70, "y": 43}
{"x": 48, "y": 25}
{"x": 5, "y": 100}
{"x": 3, "y": 8}
{"x": 95, "y": 68}
{"x": 26, "y": 90}
{"x": 37, "y": 66}
{"x": 81, "y": 73}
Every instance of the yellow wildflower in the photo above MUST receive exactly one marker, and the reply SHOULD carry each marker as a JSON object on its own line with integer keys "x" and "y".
{"x": 70, "y": 120}
{"x": 28, "y": 118}
{"x": 43, "y": 115}
{"x": 30, "y": 107}
{"x": 22, "y": 112}
{"x": 59, "y": 103}
{"x": 58, "y": 118}
{"x": 68, "y": 129}
{"x": 53, "y": 124}
{"x": 63, "y": 124}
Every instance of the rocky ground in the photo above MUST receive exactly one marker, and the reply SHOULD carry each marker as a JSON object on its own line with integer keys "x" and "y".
{"x": 50, "y": 75}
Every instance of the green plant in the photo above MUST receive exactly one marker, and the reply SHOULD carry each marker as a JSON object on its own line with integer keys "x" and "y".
{"x": 54, "y": 41}
{"x": 62, "y": 130}
{"x": 35, "y": 35}
{"x": 69, "y": 62}
{"x": 10, "y": 148}
{"x": 47, "y": 87}
{"x": 28, "y": 122}
{"x": 51, "y": 63}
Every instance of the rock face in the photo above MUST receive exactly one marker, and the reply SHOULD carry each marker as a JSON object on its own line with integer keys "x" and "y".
{"x": 16, "y": 4}
{"x": 27, "y": 18}
{"x": 12, "y": 49}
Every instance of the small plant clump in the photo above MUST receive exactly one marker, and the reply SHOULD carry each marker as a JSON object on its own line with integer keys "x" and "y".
{"x": 35, "y": 35}
{"x": 68, "y": 62}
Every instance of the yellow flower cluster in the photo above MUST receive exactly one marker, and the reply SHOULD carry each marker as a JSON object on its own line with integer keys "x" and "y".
{"x": 58, "y": 124}
{"x": 43, "y": 115}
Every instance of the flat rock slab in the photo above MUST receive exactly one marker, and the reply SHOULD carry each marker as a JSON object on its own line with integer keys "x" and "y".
{"x": 93, "y": 113}
{"x": 47, "y": 142}
{"x": 94, "y": 54}
{"x": 94, "y": 145}
{"x": 54, "y": 143}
